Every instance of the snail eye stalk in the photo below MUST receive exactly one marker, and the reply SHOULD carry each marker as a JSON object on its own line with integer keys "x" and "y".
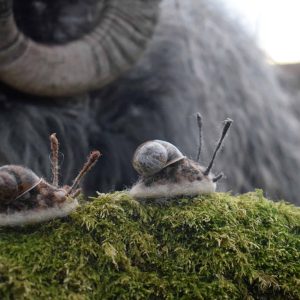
{"x": 54, "y": 158}
{"x": 218, "y": 177}
{"x": 92, "y": 159}
{"x": 199, "y": 122}
{"x": 227, "y": 125}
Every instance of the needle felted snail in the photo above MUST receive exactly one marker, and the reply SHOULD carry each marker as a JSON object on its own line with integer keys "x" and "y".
{"x": 26, "y": 198}
{"x": 165, "y": 172}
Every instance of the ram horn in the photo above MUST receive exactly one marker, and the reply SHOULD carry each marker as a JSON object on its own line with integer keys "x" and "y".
{"x": 88, "y": 63}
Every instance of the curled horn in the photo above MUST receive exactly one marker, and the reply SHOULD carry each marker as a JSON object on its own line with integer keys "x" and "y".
{"x": 85, "y": 64}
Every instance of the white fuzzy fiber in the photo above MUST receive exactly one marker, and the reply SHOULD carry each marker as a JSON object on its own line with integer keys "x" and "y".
{"x": 140, "y": 191}
{"x": 37, "y": 216}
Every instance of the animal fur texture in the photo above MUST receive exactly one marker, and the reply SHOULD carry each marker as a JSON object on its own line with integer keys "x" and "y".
{"x": 199, "y": 60}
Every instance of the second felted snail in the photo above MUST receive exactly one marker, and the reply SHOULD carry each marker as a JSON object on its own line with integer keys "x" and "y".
{"x": 165, "y": 172}
{"x": 26, "y": 198}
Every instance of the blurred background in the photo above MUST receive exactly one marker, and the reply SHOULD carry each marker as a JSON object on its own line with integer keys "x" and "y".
{"x": 274, "y": 25}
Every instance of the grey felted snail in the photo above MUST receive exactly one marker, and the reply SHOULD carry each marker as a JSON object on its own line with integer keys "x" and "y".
{"x": 26, "y": 198}
{"x": 166, "y": 172}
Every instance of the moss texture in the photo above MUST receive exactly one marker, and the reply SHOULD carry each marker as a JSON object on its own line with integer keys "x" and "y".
{"x": 210, "y": 247}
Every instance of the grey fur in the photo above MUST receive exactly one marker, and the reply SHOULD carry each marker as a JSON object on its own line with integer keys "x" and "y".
{"x": 198, "y": 60}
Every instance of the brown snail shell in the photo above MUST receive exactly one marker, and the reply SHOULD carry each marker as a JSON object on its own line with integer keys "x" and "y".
{"x": 16, "y": 181}
{"x": 153, "y": 156}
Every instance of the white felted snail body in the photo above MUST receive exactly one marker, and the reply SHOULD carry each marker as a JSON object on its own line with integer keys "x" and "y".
{"x": 165, "y": 172}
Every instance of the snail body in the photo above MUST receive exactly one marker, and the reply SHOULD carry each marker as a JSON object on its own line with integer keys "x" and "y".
{"x": 165, "y": 172}
{"x": 25, "y": 198}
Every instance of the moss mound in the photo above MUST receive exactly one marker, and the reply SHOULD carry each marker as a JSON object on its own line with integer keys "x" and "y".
{"x": 209, "y": 247}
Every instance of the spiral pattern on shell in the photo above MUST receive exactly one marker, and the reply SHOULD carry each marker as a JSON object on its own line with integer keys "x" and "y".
{"x": 15, "y": 181}
{"x": 152, "y": 156}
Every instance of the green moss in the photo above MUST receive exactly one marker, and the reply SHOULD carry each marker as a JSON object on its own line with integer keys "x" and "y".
{"x": 210, "y": 247}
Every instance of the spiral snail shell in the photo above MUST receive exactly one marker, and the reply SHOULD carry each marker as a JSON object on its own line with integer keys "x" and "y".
{"x": 165, "y": 172}
{"x": 16, "y": 181}
{"x": 152, "y": 156}
{"x": 26, "y": 198}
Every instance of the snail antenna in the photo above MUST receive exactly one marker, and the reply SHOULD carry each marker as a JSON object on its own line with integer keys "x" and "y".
{"x": 199, "y": 123}
{"x": 54, "y": 158}
{"x": 91, "y": 161}
{"x": 218, "y": 177}
{"x": 227, "y": 124}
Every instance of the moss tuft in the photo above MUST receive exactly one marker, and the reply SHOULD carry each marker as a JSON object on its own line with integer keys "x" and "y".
{"x": 210, "y": 247}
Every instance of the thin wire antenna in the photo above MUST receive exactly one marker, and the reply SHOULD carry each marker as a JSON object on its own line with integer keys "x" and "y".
{"x": 92, "y": 159}
{"x": 199, "y": 122}
{"x": 76, "y": 193}
{"x": 227, "y": 124}
{"x": 218, "y": 177}
{"x": 54, "y": 158}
